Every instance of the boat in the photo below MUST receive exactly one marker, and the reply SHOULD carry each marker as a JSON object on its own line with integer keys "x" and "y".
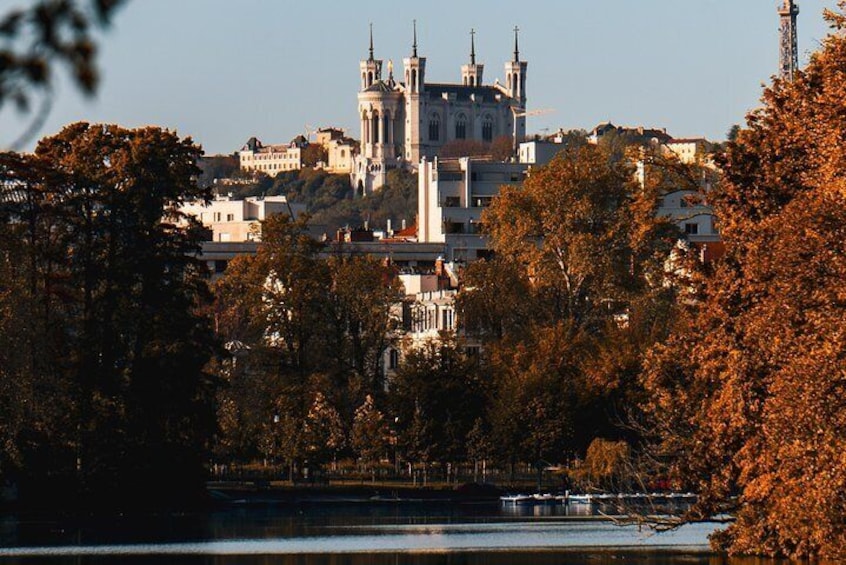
{"x": 579, "y": 499}
{"x": 544, "y": 498}
{"x": 517, "y": 499}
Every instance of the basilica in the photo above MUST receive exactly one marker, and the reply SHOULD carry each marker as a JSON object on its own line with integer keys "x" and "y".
{"x": 404, "y": 121}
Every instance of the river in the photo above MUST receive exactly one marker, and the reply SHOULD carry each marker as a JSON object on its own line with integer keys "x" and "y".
{"x": 355, "y": 534}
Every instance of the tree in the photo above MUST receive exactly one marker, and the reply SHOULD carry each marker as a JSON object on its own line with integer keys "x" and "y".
{"x": 364, "y": 291}
{"x": 369, "y": 436}
{"x": 115, "y": 291}
{"x": 437, "y": 395}
{"x": 748, "y": 392}
{"x": 47, "y": 34}
{"x": 579, "y": 274}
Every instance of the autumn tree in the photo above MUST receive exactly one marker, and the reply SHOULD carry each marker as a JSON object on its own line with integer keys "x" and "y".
{"x": 749, "y": 392}
{"x": 115, "y": 291}
{"x": 578, "y": 274}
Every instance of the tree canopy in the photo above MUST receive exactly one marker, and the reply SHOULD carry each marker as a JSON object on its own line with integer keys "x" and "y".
{"x": 749, "y": 391}
{"x": 109, "y": 294}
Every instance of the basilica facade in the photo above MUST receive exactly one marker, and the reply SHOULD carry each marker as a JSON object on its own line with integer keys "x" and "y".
{"x": 406, "y": 120}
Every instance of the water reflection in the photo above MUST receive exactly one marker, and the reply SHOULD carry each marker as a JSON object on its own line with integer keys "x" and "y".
{"x": 429, "y": 534}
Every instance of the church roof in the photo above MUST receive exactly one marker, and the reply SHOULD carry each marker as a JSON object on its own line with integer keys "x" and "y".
{"x": 461, "y": 92}
{"x": 380, "y": 86}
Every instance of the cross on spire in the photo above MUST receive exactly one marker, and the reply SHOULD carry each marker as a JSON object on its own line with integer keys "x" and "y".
{"x": 516, "y": 46}
{"x": 472, "y": 46}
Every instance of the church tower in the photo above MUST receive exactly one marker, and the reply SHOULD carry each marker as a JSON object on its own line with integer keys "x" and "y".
{"x": 371, "y": 69}
{"x": 788, "y": 60}
{"x": 415, "y": 88}
{"x": 515, "y": 86}
{"x": 515, "y": 74}
{"x": 471, "y": 75}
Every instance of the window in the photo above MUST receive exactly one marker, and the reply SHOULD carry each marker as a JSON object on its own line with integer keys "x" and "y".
{"x": 434, "y": 129}
{"x": 461, "y": 128}
{"x": 217, "y": 216}
{"x": 230, "y": 217}
{"x": 487, "y": 129}
{"x": 452, "y": 202}
{"x": 691, "y": 229}
{"x": 219, "y": 266}
{"x": 393, "y": 359}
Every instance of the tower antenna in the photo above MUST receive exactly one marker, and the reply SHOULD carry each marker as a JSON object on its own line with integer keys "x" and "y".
{"x": 788, "y": 60}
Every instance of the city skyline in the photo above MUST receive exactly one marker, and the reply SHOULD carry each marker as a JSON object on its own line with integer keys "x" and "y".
{"x": 222, "y": 72}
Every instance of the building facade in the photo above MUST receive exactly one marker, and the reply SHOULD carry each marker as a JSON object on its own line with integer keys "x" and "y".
{"x": 270, "y": 159}
{"x": 451, "y": 195}
{"x": 238, "y": 220}
{"x": 410, "y": 119}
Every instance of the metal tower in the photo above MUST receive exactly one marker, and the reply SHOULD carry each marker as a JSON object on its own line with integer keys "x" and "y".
{"x": 788, "y": 61}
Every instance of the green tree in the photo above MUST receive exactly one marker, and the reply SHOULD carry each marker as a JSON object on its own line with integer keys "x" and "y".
{"x": 437, "y": 395}
{"x": 369, "y": 437}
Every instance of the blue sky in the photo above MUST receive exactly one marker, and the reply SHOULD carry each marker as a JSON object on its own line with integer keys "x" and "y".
{"x": 222, "y": 71}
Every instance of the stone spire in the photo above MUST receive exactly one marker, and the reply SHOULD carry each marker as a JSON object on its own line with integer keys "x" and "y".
{"x": 516, "y": 45}
{"x": 472, "y": 46}
{"x": 371, "y": 43}
{"x": 414, "y": 45}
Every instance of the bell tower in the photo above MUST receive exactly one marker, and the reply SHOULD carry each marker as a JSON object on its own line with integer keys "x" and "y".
{"x": 415, "y": 88}
{"x": 371, "y": 68}
{"x": 471, "y": 75}
{"x": 515, "y": 74}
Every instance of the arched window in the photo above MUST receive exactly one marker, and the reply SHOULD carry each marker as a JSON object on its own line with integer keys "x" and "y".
{"x": 374, "y": 135}
{"x": 461, "y": 127}
{"x": 472, "y": 81}
{"x": 369, "y": 78}
{"x": 414, "y": 80}
{"x": 487, "y": 128}
{"x": 434, "y": 128}
{"x": 508, "y": 81}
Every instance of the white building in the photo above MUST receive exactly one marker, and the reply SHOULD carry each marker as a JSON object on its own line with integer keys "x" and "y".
{"x": 403, "y": 122}
{"x": 694, "y": 217}
{"x": 270, "y": 159}
{"x": 451, "y": 195}
{"x": 689, "y": 150}
{"x": 238, "y": 220}
{"x": 539, "y": 151}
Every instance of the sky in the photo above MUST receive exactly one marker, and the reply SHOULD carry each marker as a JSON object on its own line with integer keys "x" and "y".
{"x": 222, "y": 71}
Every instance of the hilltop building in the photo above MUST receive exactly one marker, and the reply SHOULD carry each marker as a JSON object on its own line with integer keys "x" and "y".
{"x": 404, "y": 122}
{"x": 272, "y": 159}
{"x": 340, "y": 150}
